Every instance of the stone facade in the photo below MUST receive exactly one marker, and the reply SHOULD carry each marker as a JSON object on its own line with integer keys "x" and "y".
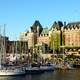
{"x": 44, "y": 36}
{"x": 68, "y": 37}
{"x": 71, "y": 33}
{"x": 60, "y": 35}
{"x": 36, "y": 35}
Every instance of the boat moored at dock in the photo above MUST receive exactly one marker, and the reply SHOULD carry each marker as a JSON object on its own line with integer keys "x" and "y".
{"x": 47, "y": 67}
{"x": 11, "y": 72}
{"x": 34, "y": 70}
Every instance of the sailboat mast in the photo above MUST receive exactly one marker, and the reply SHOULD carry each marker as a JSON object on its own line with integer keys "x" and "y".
{"x": 4, "y": 38}
{"x": 4, "y": 44}
{"x": 16, "y": 45}
{"x": 0, "y": 47}
{"x": 13, "y": 47}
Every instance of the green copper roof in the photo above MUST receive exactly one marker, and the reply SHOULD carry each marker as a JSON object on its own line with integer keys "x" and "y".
{"x": 45, "y": 31}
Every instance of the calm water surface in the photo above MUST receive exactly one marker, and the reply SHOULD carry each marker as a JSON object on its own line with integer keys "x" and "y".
{"x": 55, "y": 75}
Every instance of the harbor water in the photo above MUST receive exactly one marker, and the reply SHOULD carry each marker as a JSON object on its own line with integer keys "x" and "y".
{"x": 54, "y": 75}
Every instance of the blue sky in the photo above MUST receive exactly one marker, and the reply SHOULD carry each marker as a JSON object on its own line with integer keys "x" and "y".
{"x": 19, "y": 15}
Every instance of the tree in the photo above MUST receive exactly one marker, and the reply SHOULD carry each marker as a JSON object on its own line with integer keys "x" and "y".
{"x": 51, "y": 42}
{"x": 56, "y": 41}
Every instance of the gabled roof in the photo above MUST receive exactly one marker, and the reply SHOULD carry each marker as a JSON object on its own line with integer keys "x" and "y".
{"x": 72, "y": 25}
{"x": 45, "y": 31}
{"x": 57, "y": 25}
{"x": 35, "y": 25}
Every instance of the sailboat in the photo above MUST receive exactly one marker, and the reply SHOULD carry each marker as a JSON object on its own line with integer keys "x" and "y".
{"x": 8, "y": 71}
{"x": 11, "y": 72}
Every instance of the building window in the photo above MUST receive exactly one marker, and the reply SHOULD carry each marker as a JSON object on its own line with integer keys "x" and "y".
{"x": 41, "y": 34}
{"x": 26, "y": 34}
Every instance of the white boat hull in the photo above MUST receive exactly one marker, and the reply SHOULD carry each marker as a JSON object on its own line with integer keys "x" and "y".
{"x": 11, "y": 72}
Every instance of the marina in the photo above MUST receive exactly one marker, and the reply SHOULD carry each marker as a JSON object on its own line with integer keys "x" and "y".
{"x": 56, "y": 75}
{"x": 39, "y": 39}
{"x": 11, "y": 72}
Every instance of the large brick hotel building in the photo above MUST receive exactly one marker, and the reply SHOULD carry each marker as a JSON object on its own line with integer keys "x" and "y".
{"x": 59, "y": 36}
{"x": 71, "y": 33}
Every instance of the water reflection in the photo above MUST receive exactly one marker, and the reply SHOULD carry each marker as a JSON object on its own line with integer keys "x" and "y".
{"x": 12, "y": 77}
{"x": 56, "y": 75}
{"x": 67, "y": 75}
